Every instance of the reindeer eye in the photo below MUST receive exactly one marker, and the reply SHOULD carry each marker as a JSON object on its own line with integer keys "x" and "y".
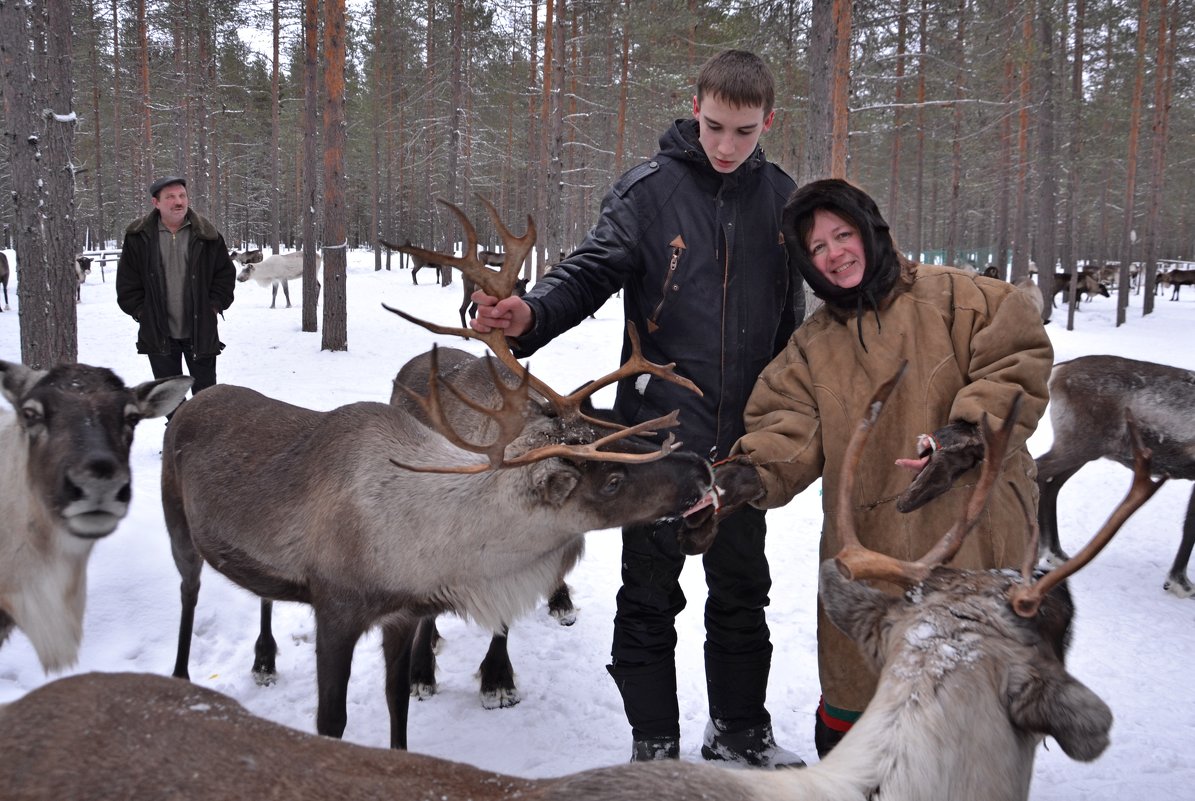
{"x": 613, "y": 484}
{"x": 32, "y": 414}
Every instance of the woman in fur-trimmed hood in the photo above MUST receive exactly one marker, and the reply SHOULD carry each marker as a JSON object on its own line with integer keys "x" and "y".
{"x": 972, "y": 344}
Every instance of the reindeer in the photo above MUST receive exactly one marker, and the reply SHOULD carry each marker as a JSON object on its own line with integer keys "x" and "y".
{"x": 971, "y": 680}
{"x": 1086, "y": 395}
{"x": 82, "y": 270}
{"x": 471, "y": 376}
{"x": 420, "y": 258}
{"x": 4, "y": 276}
{"x": 272, "y": 270}
{"x": 64, "y": 485}
{"x": 1089, "y": 285}
{"x": 1177, "y": 279}
{"x": 372, "y": 518}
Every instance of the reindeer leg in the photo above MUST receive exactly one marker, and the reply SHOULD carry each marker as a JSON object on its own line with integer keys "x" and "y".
{"x": 1050, "y": 478}
{"x": 265, "y": 650}
{"x": 398, "y": 636}
{"x": 273, "y": 294}
{"x": 286, "y": 292}
{"x": 189, "y": 591}
{"x": 189, "y": 564}
{"x": 423, "y": 659}
{"x": 1177, "y": 582}
{"x": 497, "y": 675}
{"x": 560, "y": 605}
{"x": 336, "y": 634}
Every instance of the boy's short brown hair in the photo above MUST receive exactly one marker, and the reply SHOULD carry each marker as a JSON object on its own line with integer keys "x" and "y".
{"x": 739, "y": 78}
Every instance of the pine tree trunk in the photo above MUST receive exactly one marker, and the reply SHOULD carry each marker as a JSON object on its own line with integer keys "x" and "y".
{"x": 147, "y": 128}
{"x": 897, "y": 120}
{"x": 118, "y": 185}
{"x": 1163, "y": 74}
{"x": 841, "y": 124}
{"x": 956, "y": 153}
{"x": 375, "y": 121}
{"x": 820, "y": 127}
{"x": 275, "y": 131}
{"x": 1129, "y": 234}
{"x": 1020, "y": 235}
{"x": 37, "y": 84}
{"x": 1074, "y": 149}
{"x": 97, "y": 132}
{"x": 552, "y": 230}
{"x": 310, "y": 169}
{"x": 1047, "y": 162}
{"x": 335, "y": 228}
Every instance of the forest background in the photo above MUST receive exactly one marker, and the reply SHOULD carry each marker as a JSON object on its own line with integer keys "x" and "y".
{"x": 1055, "y": 132}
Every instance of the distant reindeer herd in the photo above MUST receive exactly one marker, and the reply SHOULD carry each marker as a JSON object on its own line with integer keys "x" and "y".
{"x": 313, "y": 506}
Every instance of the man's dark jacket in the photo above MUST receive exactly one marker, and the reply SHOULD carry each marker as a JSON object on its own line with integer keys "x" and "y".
{"x": 705, "y": 280}
{"x": 141, "y": 284}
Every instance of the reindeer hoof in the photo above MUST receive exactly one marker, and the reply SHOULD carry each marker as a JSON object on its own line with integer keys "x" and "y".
{"x": 265, "y": 678}
{"x": 1180, "y": 588}
{"x": 500, "y": 699}
{"x": 1050, "y": 560}
{"x": 422, "y": 690}
{"x": 565, "y": 617}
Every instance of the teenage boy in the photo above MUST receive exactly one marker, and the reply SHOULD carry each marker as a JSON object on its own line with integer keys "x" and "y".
{"x": 692, "y": 238}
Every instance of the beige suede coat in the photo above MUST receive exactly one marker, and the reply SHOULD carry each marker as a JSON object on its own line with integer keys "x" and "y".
{"x": 972, "y": 344}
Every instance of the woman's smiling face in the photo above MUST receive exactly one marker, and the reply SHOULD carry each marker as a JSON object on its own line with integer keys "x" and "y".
{"x": 836, "y": 249}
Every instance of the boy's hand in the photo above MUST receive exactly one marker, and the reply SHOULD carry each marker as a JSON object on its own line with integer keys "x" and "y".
{"x": 941, "y": 458}
{"x": 511, "y": 316}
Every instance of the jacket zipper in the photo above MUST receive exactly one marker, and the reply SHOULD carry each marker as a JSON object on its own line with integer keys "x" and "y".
{"x": 678, "y": 247}
{"x": 714, "y": 454}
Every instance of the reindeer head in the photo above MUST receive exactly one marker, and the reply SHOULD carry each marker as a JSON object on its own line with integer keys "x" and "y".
{"x": 77, "y": 422}
{"x": 977, "y": 640}
{"x": 576, "y": 436}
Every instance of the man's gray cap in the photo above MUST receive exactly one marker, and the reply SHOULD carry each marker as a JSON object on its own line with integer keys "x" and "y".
{"x": 160, "y": 184}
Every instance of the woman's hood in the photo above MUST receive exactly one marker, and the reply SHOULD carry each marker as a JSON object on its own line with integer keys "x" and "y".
{"x": 840, "y": 197}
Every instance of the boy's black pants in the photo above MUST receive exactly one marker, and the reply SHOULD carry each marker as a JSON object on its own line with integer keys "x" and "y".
{"x": 738, "y": 649}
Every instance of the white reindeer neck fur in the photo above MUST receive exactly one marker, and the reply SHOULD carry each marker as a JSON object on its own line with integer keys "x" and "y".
{"x": 43, "y": 578}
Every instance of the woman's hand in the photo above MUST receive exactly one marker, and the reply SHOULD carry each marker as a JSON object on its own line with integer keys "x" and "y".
{"x": 736, "y": 482}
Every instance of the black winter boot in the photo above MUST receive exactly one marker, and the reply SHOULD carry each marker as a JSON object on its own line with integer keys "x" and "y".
{"x": 754, "y": 747}
{"x": 655, "y": 749}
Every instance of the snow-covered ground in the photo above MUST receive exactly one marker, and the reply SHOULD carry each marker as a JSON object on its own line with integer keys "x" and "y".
{"x": 1134, "y": 644}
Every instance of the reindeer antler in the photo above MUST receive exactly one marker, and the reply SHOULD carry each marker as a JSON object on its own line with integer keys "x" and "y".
{"x": 500, "y": 284}
{"x": 858, "y": 562}
{"x": 510, "y": 417}
{"x": 1027, "y": 597}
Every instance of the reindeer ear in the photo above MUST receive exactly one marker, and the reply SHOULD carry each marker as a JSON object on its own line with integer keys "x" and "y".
{"x": 859, "y": 611}
{"x": 160, "y": 397}
{"x": 554, "y": 480}
{"x": 16, "y": 379}
{"x": 1048, "y": 700}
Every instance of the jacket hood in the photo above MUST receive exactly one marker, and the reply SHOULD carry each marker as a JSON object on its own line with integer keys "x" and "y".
{"x": 682, "y": 141}
{"x": 201, "y": 228}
